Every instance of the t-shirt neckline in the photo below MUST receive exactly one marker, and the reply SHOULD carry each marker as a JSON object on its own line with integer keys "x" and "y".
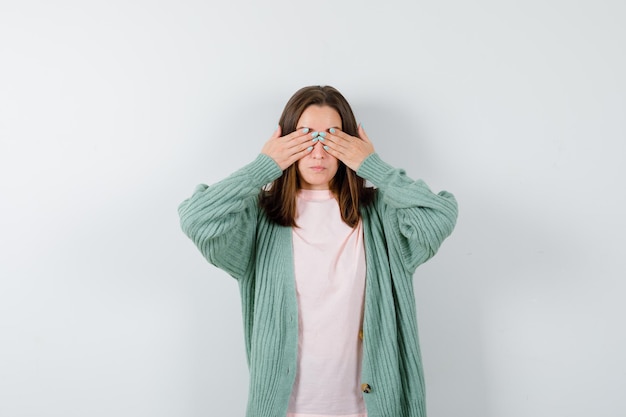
{"x": 315, "y": 195}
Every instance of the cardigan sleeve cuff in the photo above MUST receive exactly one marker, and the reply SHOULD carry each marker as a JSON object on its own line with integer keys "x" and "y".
{"x": 263, "y": 170}
{"x": 374, "y": 169}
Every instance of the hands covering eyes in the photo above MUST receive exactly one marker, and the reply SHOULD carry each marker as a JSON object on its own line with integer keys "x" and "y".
{"x": 351, "y": 150}
{"x": 285, "y": 150}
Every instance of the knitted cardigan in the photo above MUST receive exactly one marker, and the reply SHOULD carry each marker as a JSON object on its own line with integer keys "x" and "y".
{"x": 403, "y": 227}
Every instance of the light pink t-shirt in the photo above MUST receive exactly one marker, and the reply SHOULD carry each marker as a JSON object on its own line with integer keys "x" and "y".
{"x": 329, "y": 259}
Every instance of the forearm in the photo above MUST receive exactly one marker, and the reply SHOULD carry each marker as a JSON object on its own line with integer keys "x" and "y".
{"x": 221, "y": 219}
{"x": 229, "y": 196}
{"x": 400, "y": 191}
{"x": 420, "y": 218}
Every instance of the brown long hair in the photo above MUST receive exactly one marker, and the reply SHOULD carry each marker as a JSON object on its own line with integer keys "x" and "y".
{"x": 279, "y": 199}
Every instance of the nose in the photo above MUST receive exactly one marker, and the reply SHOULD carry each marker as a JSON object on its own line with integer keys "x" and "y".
{"x": 318, "y": 151}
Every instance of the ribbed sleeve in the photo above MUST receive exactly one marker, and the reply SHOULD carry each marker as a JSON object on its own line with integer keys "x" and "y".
{"x": 221, "y": 219}
{"x": 424, "y": 219}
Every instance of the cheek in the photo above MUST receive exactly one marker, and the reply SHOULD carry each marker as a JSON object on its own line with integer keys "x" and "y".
{"x": 335, "y": 165}
{"x": 298, "y": 167}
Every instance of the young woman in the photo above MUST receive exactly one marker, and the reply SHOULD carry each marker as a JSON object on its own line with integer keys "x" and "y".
{"x": 324, "y": 265}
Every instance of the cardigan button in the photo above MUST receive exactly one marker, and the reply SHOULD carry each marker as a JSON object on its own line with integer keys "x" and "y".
{"x": 366, "y": 388}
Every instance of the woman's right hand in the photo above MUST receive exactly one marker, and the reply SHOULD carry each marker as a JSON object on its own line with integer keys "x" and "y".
{"x": 285, "y": 150}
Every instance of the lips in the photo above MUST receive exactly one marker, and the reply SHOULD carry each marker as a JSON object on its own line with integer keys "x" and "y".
{"x": 317, "y": 168}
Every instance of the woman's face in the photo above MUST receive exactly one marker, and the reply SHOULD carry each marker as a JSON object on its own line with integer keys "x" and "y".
{"x": 318, "y": 167}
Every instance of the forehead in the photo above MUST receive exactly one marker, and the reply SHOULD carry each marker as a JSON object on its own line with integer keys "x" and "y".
{"x": 319, "y": 118}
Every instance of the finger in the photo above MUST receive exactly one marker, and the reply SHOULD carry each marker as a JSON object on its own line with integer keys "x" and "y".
{"x": 331, "y": 150}
{"x": 345, "y": 139}
{"x": 362, "y": 134}
{"x": 300, "y": 142}
{"x": 276, "y": 133}
{"x": 339, "y": 133}
{"x": 338, "y": 142}
{"x": 303, "y": 132}
{"x": 299, "y": 145}
{"x": 301, "y": 153}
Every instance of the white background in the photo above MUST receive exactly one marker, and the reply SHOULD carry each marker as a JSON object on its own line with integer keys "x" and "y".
{"x": 112, "y": 111}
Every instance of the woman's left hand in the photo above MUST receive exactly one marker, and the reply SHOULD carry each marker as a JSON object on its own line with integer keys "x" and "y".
{"x": 350, "y": 150}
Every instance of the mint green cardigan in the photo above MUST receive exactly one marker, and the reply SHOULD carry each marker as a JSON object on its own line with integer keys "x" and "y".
{"x": 403, "y": 227}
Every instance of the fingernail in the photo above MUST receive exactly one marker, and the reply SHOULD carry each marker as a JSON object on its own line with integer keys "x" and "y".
{"x": 323, "y": 134}
{"x": 309, "y": 149}
{"x": 315, "y": 140}
{"x": 326, "y": 148}
{"x": 332, "y": 130}
{"x": 321, "y": 139}
{"x": 314, "y": 134}
{"x": 305, "y": 130}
